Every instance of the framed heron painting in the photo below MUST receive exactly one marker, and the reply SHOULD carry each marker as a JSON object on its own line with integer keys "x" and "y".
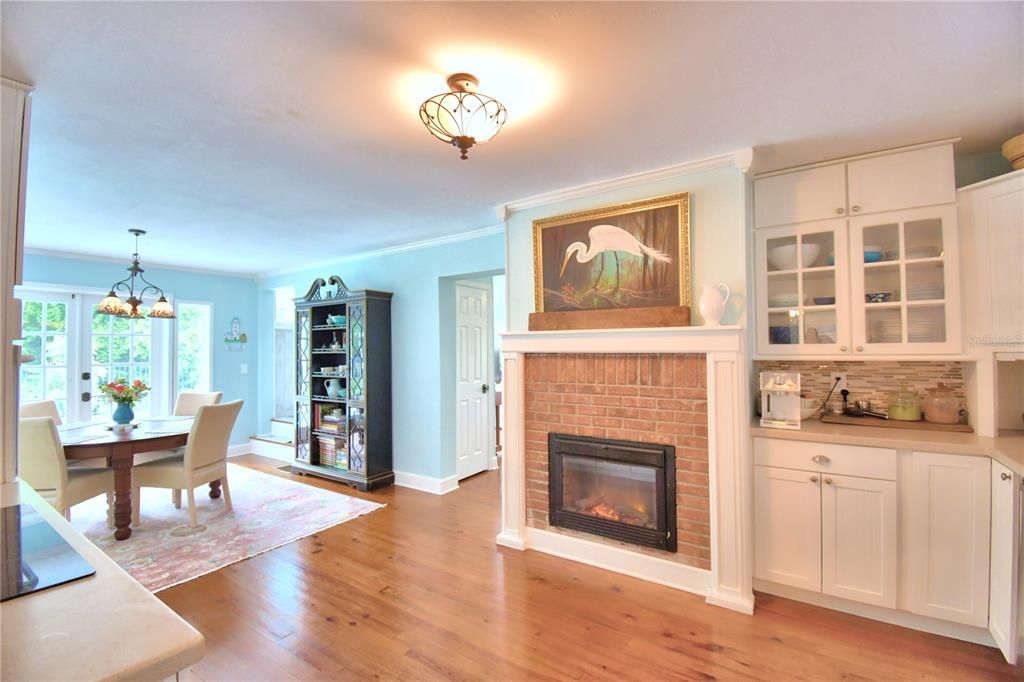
{"x": 634, "y": 255}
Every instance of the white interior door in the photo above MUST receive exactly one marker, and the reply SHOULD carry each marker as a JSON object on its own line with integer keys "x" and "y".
{"x": 472, "y": 378}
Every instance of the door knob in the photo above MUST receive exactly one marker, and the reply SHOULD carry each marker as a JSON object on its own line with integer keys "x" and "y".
{"x": 828, "y": 481}
{"x": 814, "y": 479}
{"x": 839, "y": 211}
{"x": 485, "y": 388}
{"x": 860, "y": 348}
{"x": 842, "y": 348}
{"x": 1005, "y": 476}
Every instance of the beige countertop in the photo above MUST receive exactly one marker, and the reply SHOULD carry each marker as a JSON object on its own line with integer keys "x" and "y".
{"x": 105, "y": 627}
{"x": 1006, "y": 449}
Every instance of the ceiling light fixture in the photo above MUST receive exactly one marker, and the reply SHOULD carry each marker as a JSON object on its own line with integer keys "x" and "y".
{"x": 463, "y": 117}
{"x": 130, "y": 307}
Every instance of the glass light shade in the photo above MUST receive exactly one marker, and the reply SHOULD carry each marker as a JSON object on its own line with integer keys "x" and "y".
{"x": 452, "y": 116}
{"x": 131, "y": 311}
{"x": 111, "y": 305}
{"x": 162, "y": 308}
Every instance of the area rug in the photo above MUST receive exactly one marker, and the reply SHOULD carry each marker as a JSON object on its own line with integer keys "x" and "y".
{"x": 269, "y": 511}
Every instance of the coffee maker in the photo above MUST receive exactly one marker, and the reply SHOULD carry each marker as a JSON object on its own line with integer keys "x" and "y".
{"x": 780, "y": 400}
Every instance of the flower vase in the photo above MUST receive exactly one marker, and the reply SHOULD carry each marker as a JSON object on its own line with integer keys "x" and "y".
{"x": 123, "y": 415}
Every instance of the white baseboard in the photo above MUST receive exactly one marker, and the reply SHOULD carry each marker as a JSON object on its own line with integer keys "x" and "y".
{"x": 240, "y": 449}
{"x": 904, "y": 619}
{"x": 650, "y": 568}
{"x": 733, "y": 602}
{"x": 427, "y": 484}
{"x": 506, "y": 539}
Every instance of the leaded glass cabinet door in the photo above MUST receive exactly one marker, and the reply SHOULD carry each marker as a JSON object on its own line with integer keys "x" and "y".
{"x": 356, "y": 351}
{"x": 303, "y": 364}
{"x": 905, "y": 285}
{"x": 802, "y": 299}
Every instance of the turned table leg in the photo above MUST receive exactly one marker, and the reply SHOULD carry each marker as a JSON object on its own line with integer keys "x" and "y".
{"x": 215, "y": 489}
{"x": 121, "y": 462}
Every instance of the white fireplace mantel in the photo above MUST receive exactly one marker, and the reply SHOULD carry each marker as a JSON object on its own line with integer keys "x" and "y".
{"x": 729, "y": 582}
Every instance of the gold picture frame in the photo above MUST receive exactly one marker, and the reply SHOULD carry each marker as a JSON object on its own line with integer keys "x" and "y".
{"x": 652, "y": 218}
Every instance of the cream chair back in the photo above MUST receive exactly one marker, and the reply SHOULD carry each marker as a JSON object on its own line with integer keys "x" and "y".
{"x": 210, "y": 435}
{"x": 189, "y": 402}
{"x": 41, "y": 461}
{"x": 43, "y": 408}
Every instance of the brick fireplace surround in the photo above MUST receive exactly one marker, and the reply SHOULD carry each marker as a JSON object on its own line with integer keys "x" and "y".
{"x": 680, "y": 386}
{"x": 649, "y": 398}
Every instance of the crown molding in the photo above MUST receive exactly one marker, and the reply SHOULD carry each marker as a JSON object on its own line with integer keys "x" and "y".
{"x": 390, "y": 250}
{"x": 741, "y": 159}
{"x": 52, "y": 253}
{"x": 18, "y": 85}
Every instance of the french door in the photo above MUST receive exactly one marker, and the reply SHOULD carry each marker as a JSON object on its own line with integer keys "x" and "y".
{"x": 75, "y": 349}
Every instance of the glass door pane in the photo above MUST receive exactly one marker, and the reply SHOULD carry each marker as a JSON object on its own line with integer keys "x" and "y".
{"x": 120, "y": 348}
{"x": 44, "y": 328}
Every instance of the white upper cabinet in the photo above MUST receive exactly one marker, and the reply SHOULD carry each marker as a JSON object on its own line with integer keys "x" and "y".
{"x": 860, "y": 257}
{"x": 992, "y": 238}
{"x": 905, "y": 287}
{"x": 802, "y": 196}
{"x": 920, "y": 177}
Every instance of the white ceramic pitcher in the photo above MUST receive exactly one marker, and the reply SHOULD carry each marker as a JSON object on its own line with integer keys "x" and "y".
{"x": 712, "y": 303}
{"x": 333, "y": 388}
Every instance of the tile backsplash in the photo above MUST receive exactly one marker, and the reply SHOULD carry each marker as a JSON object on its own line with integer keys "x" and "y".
{"x": 869, "y": 380}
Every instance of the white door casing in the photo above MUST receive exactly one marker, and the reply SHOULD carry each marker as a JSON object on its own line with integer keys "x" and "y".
{"x": 473, "y": 368}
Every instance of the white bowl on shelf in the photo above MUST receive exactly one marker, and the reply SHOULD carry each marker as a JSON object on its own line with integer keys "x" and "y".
{"x": 784, "y": 257}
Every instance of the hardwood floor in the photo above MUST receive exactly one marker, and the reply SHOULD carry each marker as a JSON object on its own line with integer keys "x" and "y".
{"x": 420, "y": 591}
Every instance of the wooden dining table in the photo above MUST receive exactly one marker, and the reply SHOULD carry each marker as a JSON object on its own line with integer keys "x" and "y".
{"x": 120, "y": 450}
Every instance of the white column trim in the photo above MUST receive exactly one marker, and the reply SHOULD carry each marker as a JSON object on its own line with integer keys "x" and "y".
{"x": 513, "y": 469}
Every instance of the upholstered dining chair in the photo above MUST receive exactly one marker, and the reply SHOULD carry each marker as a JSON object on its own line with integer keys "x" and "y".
{"x": 189, "y": 402}
{"x": 41, "y": 464}
{"x": 42, "y": 408}
{"x": 204, "y": 460}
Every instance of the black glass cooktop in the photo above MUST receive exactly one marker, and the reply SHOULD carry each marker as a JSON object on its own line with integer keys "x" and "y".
{"x": 34, "y": 555}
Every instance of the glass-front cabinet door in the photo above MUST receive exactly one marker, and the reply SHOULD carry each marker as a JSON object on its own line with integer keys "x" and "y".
{"x": 904, "y": 282}
{"x": 802, "y": 289}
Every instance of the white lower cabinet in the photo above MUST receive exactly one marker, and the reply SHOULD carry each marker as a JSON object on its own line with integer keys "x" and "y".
{"x": 1003, "y": 571}
{"x": 826, "y": 533}
{"x": 859, "y": 540}
{"x": 948, "y": 551}
{"x": 787, "y": 527}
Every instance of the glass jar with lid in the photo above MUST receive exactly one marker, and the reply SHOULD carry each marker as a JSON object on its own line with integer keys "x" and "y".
{"x": 941, "y": 406}
{"x": 904, "y": 405}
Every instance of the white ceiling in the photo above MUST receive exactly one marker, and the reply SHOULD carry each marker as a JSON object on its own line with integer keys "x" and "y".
{"x": 253, "y": 136}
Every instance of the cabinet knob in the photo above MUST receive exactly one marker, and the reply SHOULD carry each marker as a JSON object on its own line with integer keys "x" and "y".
{"x": 839, "y": 211}
{"x": 820, "y": 459}
{"x": 814, "y": 479}
{"x": 1005, "y": 476}
{"x": 828, "y": 481}
{"x": 855, "y": 208}
{"x": 860, "y": 348}
{"x": 842, "y": 348}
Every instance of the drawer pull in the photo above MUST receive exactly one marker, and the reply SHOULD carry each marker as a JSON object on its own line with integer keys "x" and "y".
{"x": 820, "y": 459}
{"x": 1005, "y": 476}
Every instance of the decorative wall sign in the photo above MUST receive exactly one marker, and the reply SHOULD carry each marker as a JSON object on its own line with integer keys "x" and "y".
{"x": 235, "y": 339}
{"x": 634, "y": 255}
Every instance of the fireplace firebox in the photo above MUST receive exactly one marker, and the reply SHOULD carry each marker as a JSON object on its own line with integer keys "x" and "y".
{"x": 621, "y": 490}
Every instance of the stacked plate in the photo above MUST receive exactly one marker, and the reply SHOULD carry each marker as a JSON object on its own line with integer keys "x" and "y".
{"x": 925, "y": 291}
{"x": 926, "y": 326}
{"x": 927, "y": 251}
{"x": 886, "y": 331}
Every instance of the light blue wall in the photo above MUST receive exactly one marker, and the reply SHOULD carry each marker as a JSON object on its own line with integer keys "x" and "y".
{"x": 414, "y": 277}
{"x": 231, "y": 297}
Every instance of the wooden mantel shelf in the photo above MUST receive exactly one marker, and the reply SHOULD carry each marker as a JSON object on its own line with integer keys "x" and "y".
{"x": 630, "y": 340}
